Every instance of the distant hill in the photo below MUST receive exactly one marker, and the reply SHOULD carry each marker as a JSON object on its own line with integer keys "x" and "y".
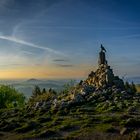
{"x": 33, "y": 80}
{"x": 27, "y": 86}
{"x": 136, "y": 80}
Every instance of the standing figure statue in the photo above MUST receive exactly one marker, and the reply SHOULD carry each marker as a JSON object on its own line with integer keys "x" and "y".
{"x": 102, "y": 57}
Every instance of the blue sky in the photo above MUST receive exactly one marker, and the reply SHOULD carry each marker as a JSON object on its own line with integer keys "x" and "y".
{"x": 61, "y": 38}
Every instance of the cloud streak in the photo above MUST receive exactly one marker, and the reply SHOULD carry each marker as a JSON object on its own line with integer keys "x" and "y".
{"x": 64, "y": 65}
{"x": 32, "y": 45}
{"x": 61, "y": 60}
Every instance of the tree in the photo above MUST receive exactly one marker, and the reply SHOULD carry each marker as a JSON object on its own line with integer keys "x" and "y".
{"x": 9, "y": 96}
{"x": 43, "y": 91}
{"x": 36, "y": 91}
{"x": 52, "y": 91}
{"x": 68, "y": 87}
{"x": 127, "y": 85}
{"x": 133, "y": 87}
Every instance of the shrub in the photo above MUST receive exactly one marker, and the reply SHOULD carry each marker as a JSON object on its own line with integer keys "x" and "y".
{"x": 38, "y": 95}
{"x": 131, "y": 109}
{"x": 68, "y": 86}
{"x": 133, "y": 87}
{"x": 44, "y": 90}
{"x": 127, "y": 86}
{"x": 9, "y": 97}
{"x": 36, "y": 91}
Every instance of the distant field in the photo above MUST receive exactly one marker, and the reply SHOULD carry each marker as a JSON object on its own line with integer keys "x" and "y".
{"x": 138, "y": 88}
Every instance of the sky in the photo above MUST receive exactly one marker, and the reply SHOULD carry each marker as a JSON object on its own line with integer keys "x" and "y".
{"x": 61, "y": 38}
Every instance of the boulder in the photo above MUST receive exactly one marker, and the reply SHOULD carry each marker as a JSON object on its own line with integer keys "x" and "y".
{"x": 77, "y": 98}
{"x": 64, "y": 104}
{"x": 124, "y": 131}
{"x": 48, "y": 133}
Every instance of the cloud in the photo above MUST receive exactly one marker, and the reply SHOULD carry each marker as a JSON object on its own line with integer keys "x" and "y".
{"x": 7, "y": 65}
{"x": 64, "y": 65}
{"x": 27, "y": 53}
{"x": 60, "y": 60}
{"x": 19, "y": 41}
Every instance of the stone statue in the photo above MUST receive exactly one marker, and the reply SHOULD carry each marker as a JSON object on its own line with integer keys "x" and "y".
{"x": 102, "y": 57}
{"x": 102, "y": 48}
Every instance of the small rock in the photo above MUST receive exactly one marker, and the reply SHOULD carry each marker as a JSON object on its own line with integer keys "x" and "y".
{"x": 124, "y": 131}
{"x": 48, "y": 133}
{"x": 64, "y": 104}
{"x": 78, "y": 98}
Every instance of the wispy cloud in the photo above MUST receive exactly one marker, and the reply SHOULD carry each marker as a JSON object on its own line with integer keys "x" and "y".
{"x": 7, "y": 65}
{"x": 64, "y": 65}
{"x": 23, "y": 42}
{"x": 61, "y": 60}
{"x": 28, "y": 53}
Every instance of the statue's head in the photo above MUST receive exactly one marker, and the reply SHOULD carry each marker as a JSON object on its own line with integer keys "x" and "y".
{"x": 102, "y": 48}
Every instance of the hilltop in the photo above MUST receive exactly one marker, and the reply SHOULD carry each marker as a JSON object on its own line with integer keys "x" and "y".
{"x": 100, "y": 107}
{"x": 33, "y": 80}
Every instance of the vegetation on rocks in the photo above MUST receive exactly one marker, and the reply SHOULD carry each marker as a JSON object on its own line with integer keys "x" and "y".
{"x": 107, "y": 113}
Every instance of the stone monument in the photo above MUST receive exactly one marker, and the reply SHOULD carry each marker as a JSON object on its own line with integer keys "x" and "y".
{"x": 103, "y": 76}
{"x": 102, "y": 57}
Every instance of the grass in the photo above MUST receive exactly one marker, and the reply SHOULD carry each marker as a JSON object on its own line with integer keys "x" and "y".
{"x": 70, "y": 126}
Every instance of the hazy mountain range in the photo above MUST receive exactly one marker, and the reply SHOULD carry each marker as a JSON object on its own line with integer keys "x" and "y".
{"x": 136, "y": 80}
{"x": 26, "y": 86}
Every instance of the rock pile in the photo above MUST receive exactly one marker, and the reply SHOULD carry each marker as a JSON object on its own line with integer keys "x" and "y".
{"x": 101, "y": 85}
{"x": 103, "y": 77}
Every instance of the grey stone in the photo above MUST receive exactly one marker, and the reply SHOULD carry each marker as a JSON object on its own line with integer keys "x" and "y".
{"x": 64, "y": 104}
{"x": 78, "y": 98}
{"x": 124, "y": 131}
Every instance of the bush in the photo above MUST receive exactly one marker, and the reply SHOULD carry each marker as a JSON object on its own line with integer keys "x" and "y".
{"x": 131, "y": 109}
{"x": 9, "y": 97}
{"x": 36, "y": 91}
{"x": 68, "y": 86}
{"x": 133, "y": 87}
{"x": 42, "y": 97}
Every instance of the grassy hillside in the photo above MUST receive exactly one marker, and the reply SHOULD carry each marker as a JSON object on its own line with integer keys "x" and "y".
{"x": 79, "y": 122}
{"x": 78, "y": 112}
{"x": 104, "y": 116}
